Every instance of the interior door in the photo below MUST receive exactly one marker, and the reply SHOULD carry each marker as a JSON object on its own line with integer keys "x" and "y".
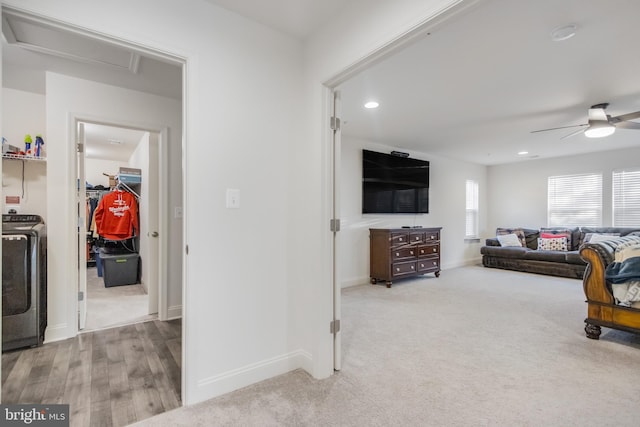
{"x": 153, "y": 200}
{"x": 81, "y": 200}
{"x": 337, "y": 287}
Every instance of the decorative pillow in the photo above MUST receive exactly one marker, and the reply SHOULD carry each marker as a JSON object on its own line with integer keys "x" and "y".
{"x": 517, "y": 231}
{"x": 509, "y": 240}
{"x": 559, "y": 232}
{"x": 599, "y": 237}
{"x": 555, "y": 244}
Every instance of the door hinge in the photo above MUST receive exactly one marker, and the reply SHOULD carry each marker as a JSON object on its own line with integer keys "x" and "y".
{"x": 334, "y": 326}
{"x": 80, "y": 296}
{"x": 80, "y": 148}
{"x": 334, "y": 225}
{"x": 186, "y": 249}
{"x": 335, "y": 123}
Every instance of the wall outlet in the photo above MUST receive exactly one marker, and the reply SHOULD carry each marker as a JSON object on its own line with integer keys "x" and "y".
{"x": 177, "y": 212}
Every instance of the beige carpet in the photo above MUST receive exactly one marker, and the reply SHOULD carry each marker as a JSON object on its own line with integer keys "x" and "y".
{"x": 116, "y": 305}
{"x": 476, "y": 347}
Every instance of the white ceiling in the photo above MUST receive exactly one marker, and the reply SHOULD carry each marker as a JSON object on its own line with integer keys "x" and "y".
{"x": 109, "y": 142}
{"x": 477, "y": 86}
{"x": 474, "y": 89}
{"x": 299, "y": 18}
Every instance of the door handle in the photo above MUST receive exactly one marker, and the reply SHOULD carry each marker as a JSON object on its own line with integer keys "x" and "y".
{"x": 154, "y": 234}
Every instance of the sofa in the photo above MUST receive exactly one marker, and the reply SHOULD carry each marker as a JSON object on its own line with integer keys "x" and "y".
{"x": 565, "y": 262}
{"x": 611, "y": 267}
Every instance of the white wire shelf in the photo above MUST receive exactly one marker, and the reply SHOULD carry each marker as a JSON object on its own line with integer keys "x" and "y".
{"x": 19, "y": 157}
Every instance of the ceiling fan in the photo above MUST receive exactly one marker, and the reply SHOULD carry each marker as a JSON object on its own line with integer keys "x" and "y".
{"x": 600, "y": 123}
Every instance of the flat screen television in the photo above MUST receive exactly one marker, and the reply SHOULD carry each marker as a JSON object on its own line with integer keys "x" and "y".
{"x": 394, "y": 184}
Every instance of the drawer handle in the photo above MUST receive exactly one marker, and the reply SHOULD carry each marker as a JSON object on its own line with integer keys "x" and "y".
{"x": 435, "y": 263}
{"x": 435, "y": 250}
{"x": 433, "y": 237}
{"x": 412, "y": 267}
{"x": 421, "y": 251}
{"x": 411, "y": 252}
{"x": 397, "y": 253}
{"x": 417, "y": 238}
{"x": 400, "y": 239}
{"x": 397, "y": 268}
{"x": 422, "y": 265}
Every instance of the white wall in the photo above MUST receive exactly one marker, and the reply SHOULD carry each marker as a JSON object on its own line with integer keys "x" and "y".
{"x": 94, "y": 169}
{"x": 518, "y": 191}
{"x": 67, "y": 96}
{"x": 24, "y": 113}
{"x": 447, "y": 192}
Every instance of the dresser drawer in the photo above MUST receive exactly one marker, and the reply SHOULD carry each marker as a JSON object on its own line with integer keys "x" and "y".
{"x": 404, "y": 253}
{"x": 432, "y": 236}
{"x": 428, "y": 250}
{"x": 403, "y": 268}
{"x": 399, "y": 239}
{"x": 426, "y": 265}
{"x": 416, "y": 237}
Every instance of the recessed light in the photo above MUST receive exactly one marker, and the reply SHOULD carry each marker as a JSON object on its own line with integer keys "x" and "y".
{"x": 564, "y": 32}
{"x": 371, "y": 104}
{"x": 523, "y": 153}
{"x": 115, "y": 141}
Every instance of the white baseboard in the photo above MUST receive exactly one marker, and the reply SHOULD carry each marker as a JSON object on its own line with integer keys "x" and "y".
{"x": 57, "y": 332}
{"x": 174, "y": 312}
{"x": 354, "y": 282}
{"x": 235, "y": 379}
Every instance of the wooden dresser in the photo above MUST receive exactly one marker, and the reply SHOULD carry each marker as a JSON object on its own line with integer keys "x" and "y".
{"x": 397, "y": 253}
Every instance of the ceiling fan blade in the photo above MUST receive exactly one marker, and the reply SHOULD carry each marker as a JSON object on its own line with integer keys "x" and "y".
{"x": 597, "y": 114}
{"x": 561, "y": 127}
{"x": 573, "y": 133}
{"x": 628, "y": 125}
{"x": 625, "y": 117}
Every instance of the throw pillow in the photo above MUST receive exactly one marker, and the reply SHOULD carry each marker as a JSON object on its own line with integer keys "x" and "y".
{"x": 509, "y": 240}
{"x": 517, "y": 231}
{"x": 560, "y": 232}
{"x": 599, "y": 237}
{"x": 555, "y": 244}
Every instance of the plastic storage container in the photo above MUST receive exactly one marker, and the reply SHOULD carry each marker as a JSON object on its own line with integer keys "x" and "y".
{"x": 118, "y": 270}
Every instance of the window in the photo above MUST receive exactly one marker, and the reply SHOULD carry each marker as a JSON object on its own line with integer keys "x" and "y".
{"x": 471, "y": 228}
{"x": 575, "y": 200}
{"x": 626, "y": 198}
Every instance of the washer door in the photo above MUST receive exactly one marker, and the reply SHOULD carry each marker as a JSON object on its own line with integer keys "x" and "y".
{"x": 16, "y": 271}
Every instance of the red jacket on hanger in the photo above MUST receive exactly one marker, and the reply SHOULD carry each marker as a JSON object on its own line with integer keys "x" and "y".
{"x": 117, "y": 216}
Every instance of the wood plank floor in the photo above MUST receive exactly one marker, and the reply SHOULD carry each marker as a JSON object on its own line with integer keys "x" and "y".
{"x": 111, "y": 377}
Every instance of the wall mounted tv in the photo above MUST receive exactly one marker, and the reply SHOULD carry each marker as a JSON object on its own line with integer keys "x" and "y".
{"x": 394, "y": 184}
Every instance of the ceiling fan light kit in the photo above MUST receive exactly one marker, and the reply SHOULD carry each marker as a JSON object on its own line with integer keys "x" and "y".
{"x": 563, "y": 32}
{"x": 600, "y": 124}
{"x": 599, "y": 130}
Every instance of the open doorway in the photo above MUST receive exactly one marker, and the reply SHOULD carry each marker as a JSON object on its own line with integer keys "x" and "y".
{"x": 120, "y": 277}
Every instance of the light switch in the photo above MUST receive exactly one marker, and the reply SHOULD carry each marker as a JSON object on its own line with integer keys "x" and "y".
{"x": 233, "y": 198}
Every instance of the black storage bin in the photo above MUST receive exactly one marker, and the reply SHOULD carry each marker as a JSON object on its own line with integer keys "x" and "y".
{"x": 119, "y": 269}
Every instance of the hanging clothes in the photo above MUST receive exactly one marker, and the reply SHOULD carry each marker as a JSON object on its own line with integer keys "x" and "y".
{"x": 117, "y": 216}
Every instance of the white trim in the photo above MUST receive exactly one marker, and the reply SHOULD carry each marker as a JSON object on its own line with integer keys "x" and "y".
{"x": 55, "y": 333}
{"x": 235, "y": 379}
{"x": 354, "y": 282}
{"x": 174, "y": 312}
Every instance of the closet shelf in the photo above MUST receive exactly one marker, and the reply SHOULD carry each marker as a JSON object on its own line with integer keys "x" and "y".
{"x": 19, "y": 157}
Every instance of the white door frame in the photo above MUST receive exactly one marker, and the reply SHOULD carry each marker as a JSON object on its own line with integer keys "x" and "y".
{"x": 163, "y": 189}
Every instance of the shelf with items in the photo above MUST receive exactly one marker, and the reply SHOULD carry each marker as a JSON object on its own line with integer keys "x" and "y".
{"x": 23, "y": 157}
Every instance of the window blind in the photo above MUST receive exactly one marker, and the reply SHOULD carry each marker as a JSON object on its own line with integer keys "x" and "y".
{"x": 626, "y": 198}
{"x": 574, "y": 200}
{"x": 471, "y": 228}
